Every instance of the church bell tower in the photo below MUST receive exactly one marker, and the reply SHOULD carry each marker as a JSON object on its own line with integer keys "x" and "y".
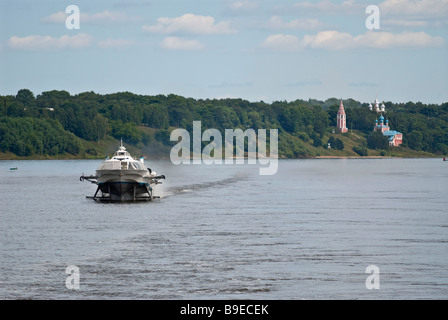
{"x": 341, "y": 119}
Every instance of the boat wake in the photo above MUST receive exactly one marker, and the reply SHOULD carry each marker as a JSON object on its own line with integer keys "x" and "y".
{"x": 176, "y": 190}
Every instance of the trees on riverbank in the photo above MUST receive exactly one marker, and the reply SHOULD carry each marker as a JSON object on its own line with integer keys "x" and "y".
{"x": 53, "y": 122}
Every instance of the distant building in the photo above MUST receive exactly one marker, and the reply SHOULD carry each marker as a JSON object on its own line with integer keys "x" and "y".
{"x": 381, "y": 126}
{"x": 376, "y": 106}
{"x": 341, "y": 119}
{"x": 395, "y": 137}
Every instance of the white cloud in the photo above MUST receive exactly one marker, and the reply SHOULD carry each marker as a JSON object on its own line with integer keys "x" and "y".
{"x": 115, "y": 43}
{"x": 331, "y": 40}
{"x": 282, "y": 42}
{"x": 404, "y": 23}
{"x": 277, "y": 22}
{"x": 176, "y": 43}
{"x": 336, "y": 40}
{"x": 421, "y": 8}
{"x": 43, "y": 43}
{"x": 58, "y": 17}
{"x": 326, "y": 6}
{"x": 189, "y": 23}
{"x": 414, "y": 14}
{"x": 385, "y": 40}
{"x": 105, "y": 17}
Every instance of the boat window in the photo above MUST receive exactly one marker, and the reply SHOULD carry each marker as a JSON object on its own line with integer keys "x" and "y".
{"x": 110, "y": 165}
{"x": 124, "y": 165}
{"x": 137, "y": 166}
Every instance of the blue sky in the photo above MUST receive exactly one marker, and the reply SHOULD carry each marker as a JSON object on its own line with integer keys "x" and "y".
{"x": 256, "y": 50}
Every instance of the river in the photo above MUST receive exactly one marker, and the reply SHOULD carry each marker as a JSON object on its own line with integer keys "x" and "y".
{"x": 225, "y": 232}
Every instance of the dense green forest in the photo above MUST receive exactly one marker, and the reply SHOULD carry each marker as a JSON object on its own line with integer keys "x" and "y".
{"x": 57, "y": 123}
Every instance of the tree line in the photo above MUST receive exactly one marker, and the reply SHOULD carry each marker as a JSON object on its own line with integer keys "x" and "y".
{"x": 27, "y": 121}
{"x": 28, "y": 136}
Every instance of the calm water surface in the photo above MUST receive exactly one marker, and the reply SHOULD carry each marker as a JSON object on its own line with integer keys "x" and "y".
{"x": 225, "y": 232}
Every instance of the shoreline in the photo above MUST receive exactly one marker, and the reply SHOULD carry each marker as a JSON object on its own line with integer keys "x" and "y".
{"x": 379, "y": 157}
{"x": 245, "y": 158}
{"x": 366, "y": 157}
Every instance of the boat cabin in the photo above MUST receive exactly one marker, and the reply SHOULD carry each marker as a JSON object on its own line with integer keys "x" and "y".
{"x": 122, "y": 160}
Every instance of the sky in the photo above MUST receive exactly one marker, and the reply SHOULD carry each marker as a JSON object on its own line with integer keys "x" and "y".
{"x": 268, "y": 50}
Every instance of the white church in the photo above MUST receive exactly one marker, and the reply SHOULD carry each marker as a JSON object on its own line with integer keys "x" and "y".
{"x": 376, "y": 106}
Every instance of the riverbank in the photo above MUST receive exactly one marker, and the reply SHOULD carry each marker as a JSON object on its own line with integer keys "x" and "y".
{"x": 157, "y": 151}
{"x": 11, "y": 156}
{"x": 359, "y": 157}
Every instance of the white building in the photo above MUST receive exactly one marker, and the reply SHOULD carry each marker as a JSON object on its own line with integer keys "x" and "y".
{"x": 341, "y": 119}
{"x": 376, "y": 107}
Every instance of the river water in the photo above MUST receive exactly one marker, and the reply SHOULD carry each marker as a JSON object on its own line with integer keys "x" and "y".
{"x": 226, "y": 232}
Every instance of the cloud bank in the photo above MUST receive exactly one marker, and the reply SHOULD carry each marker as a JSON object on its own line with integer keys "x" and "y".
{"x": 336, "y": 40}
{"x": 189, "y": 24}
{"x": 44, "y": 43}
{"x": 105, "y": 17}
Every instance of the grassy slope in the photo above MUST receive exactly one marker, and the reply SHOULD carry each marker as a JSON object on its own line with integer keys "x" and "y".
{"x": 355, "y": 138}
